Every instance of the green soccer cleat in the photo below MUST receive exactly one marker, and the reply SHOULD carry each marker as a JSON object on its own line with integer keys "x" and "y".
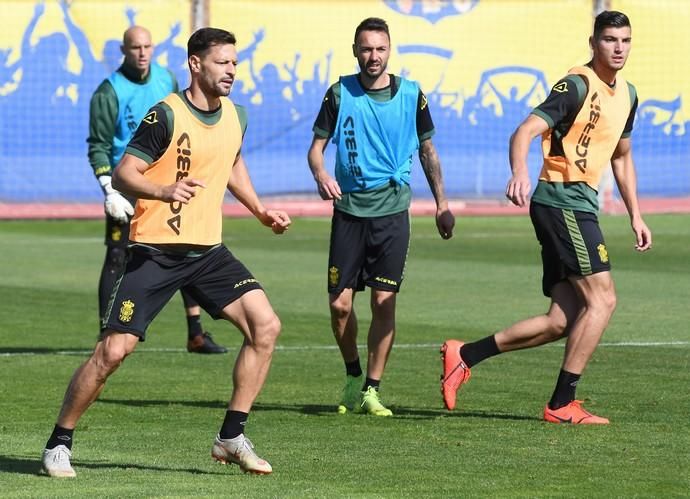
{"x": 371, "y": 403}
{"x": 349, "y": 399}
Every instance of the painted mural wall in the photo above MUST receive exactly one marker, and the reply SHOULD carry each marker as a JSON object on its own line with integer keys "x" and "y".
{"x": 483, "y": 65}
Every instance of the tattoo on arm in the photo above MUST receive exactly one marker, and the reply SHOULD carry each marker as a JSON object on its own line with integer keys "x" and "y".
{"x": 432, "y": 169}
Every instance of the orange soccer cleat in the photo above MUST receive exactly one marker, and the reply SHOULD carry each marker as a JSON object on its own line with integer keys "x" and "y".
{"x": 572, "y": 413}
{"x": 455, "y": 372}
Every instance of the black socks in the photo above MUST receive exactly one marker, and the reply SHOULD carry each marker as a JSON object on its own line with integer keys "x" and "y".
{"x": 474, "y": 353}
{"x": 353, "y": 368}
{"x": 60, "y": 436}
{"x": 194, "y": 326}
{"x": 374, "y": 383}
{"x": 565, "y": 390}
{"x": 233, "y": 425}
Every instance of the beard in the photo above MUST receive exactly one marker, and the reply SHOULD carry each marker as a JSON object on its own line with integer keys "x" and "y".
{"x": 222, "y": 92}
{"x": 374, "y": 72}
{"x": 215, "y": 88}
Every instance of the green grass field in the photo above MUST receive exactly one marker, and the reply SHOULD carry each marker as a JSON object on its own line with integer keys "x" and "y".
{"x": 150, "y": 433}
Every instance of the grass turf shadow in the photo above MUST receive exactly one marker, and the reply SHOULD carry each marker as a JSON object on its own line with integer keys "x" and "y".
{"x": 320, "y": 409}
{"x": 31, "y": 466}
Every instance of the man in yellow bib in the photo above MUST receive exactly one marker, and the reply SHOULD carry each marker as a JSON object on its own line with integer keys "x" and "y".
{"x": 585, "y": 123}
{"x": 184, "y": 155}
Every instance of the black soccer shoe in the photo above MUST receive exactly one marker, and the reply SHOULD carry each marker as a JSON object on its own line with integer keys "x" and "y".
{"x": 203, "y": 343}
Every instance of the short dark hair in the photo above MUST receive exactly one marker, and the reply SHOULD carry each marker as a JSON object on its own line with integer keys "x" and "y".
{"x": 205, "y": 38}
{"x": 609, "y": 19}
{"x": 372, "y": 24}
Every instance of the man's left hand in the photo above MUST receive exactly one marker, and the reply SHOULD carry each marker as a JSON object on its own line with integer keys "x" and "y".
{"x": 445, "y": 222}
{"x": 277, "y": 220}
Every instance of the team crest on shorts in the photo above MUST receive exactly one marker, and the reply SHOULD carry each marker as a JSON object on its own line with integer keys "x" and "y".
{"x": 333, "y": 276}
{"x": 126, "y": 311}
{"x": 603, "y": 254}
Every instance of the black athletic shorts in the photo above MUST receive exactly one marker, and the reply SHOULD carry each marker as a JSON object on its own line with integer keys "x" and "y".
{"x": 214, "y": 279}
{"x": 117, "y": 236}
{"x": 368, "y": 251}
{"x": 116, "y": 233}
{"x": 571, "y": 244}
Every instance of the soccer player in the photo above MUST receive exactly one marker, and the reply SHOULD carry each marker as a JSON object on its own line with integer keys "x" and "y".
{"x": 117, "y": 107}
{"x": 183, "y": 156}
{"x": 377, "y": 121}
{"x": 585, "y": 122}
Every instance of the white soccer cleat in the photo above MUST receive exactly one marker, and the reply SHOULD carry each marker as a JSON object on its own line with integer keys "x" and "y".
{"x": 56, "y": 463}
{"x": 240, "y": 451}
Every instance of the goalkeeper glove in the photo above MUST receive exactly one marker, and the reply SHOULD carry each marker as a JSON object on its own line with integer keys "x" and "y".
{"x": 115, "y": 203}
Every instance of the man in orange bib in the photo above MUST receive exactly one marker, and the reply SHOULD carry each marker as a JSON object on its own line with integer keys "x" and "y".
{"x": 116, "y": 108}
{"x": 184, "y": 155}
{"x": 585, "y": 123}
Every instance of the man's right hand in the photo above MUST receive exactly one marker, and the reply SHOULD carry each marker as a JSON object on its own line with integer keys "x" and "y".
{"x": 182, "y": 191}
{"x": 328, "y": 186}
{"x": 115, "y": 203}
{"x": 518, "y": 189}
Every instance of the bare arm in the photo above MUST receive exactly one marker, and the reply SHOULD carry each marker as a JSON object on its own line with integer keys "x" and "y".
{"x": 445, "y": 221}
{"x": 327, "y": 185}
{"x": 129, "y": 178}
{"x": 626, "y": 179}
{"x": 519, "y": 186}
{"x": 240, "y": 185}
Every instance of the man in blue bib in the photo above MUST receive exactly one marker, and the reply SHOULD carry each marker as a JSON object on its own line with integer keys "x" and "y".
{"x": 377, "y": 121}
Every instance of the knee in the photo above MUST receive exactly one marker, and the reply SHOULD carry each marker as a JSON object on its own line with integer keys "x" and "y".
{"x": 383, "y": 304}
{"x": 608, "y": 302}
{"x": 557, "y": 326}
{"x": 341, "y": 307}
{"x": 599, "y": 295}
{"x": 267, "y": 334}
{"x": 612, "y": 301}
{"x": 108, "y": 358}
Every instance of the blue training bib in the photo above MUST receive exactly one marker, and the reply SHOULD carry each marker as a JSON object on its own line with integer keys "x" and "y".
{"x": 375, "y": 140}
{"x": 134, "y": 100}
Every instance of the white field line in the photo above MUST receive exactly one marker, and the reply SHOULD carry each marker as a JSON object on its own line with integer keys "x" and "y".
{"x": 72, "y": 240}
{"x": 303, "y": 348}
{"x": 229, "y": 239}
